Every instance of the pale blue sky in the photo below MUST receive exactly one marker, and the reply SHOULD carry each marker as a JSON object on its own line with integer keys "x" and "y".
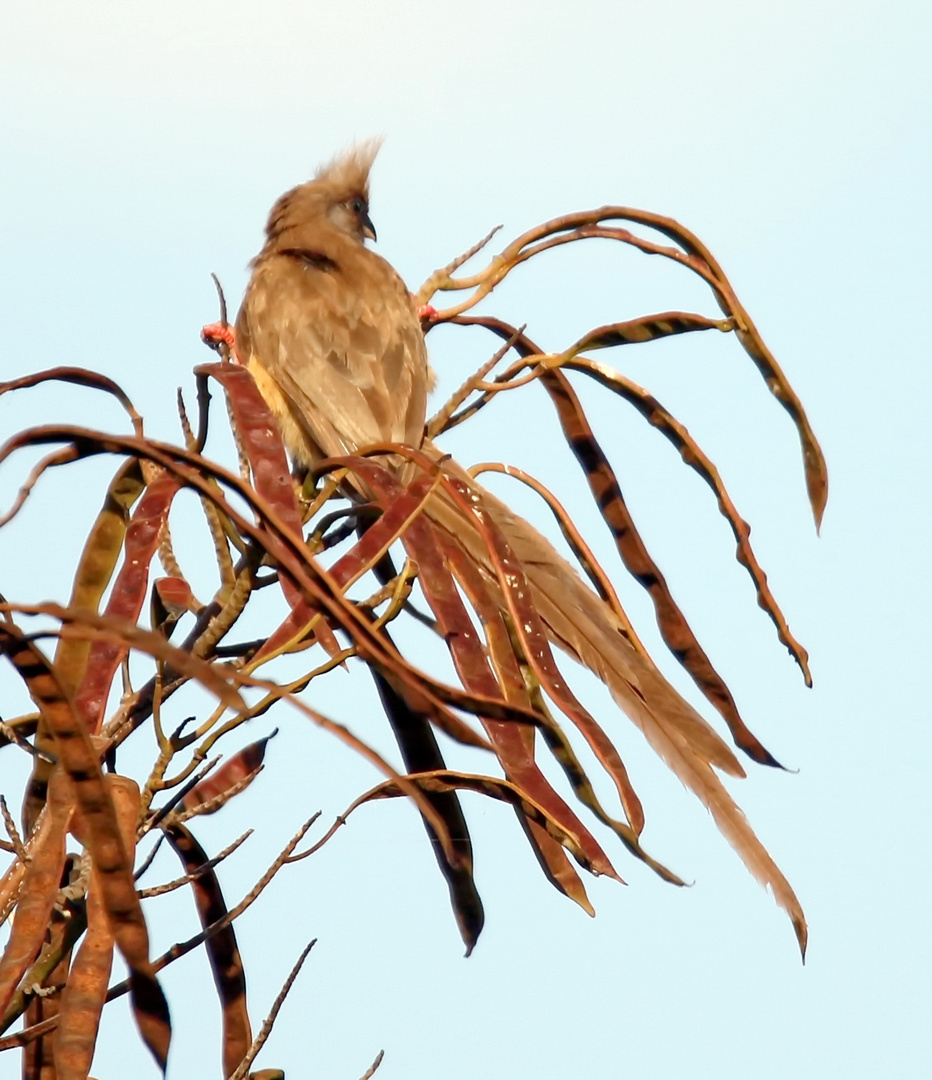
{"x": 141, "y": 147}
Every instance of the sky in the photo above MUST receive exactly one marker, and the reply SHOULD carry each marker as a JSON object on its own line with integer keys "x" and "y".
{"x": 142, "y": 146}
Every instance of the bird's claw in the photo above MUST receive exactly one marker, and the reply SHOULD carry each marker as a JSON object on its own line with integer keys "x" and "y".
{"x": 218, "y": 334}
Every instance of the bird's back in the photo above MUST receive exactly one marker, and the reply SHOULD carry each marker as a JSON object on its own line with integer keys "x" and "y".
{"x": 327, "y": 326}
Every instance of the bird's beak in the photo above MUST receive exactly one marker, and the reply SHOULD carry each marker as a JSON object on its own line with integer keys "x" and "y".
{"x": 368, "y": 229}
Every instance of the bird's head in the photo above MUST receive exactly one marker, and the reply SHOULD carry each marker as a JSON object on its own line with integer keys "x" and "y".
{"x": 338, "y": 195}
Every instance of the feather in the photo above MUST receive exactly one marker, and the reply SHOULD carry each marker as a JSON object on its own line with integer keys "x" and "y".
{"x": 586, "y": 628}
{"x": 349, "y": 171}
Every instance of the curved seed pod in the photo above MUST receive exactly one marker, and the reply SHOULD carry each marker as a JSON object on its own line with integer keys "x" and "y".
{"x": 259, "y": 436}
{"x": 80, "y": 760}
{"x": 95, "y": 570}
{"x": 128, "y": 595}
{"x": 226, "y": 963}
{"x": 241, "y": 765}
{"x": 40, "y": 885}
{"x": 86, "y": 990}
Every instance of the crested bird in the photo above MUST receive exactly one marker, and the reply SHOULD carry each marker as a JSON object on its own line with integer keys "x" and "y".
{"x": 331, "y": 336}
{"x": 327, "y": 327}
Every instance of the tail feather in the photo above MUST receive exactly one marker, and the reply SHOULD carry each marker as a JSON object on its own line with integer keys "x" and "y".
{"x": 584, "y": 626}
{"x": 581, "y": 624}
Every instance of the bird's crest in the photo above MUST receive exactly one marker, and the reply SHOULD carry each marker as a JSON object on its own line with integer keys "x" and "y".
{"x": 348, "y": 173}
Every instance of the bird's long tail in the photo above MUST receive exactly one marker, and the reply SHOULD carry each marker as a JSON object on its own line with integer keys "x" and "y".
{"x": 511, "y": 553}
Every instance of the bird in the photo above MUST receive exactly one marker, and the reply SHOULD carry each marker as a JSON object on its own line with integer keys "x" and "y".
{"x": 327, "y": 327}
{"x": 332, "y": 337}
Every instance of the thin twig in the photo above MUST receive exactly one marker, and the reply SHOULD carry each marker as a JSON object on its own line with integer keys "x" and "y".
{"x": 170, "y": 886}
{"x": 223, "y": 348}
{"x": 15, "y": 839}
{"x": 163, "y": 811}
{"x": 329, "y": 489}
{"x": 150, "y": 858}
{"x": 232, "y": 608}
{"x": 438, "y": 422}
{"x": 243, "y": 1068}
{"x": 439, "y": 277}
{"x": 215, "y": 524}
{"x": 375, "y": 1064}
{"x": 9, "y": 732}
{"x": 245, "y": 469}
{"x": 58, "y": 457}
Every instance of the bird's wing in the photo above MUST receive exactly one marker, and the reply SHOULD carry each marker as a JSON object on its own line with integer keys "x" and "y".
{"x": 343, "y": 343}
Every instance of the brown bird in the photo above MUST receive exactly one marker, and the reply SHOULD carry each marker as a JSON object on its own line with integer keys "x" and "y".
{"x": 327, "y": 327}
{"x": 329, "y": 331}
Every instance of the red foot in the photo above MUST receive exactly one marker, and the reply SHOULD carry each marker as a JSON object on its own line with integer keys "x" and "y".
{"x": 216, "y": 334}
{"x": 427, "y": 313}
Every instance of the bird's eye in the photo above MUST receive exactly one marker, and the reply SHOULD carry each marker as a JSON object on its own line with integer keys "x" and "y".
{"x": 358, "y": 206}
